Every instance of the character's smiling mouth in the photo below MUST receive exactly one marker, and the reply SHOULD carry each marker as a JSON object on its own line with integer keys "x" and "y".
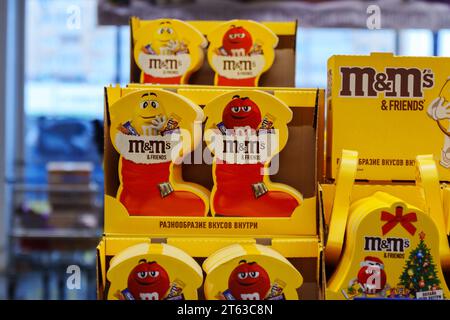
{"x": 148, "y": 118}
{"x": 144, "y": 283}
{"x": 246, "y": 284}
{"x": 238, "y": 117}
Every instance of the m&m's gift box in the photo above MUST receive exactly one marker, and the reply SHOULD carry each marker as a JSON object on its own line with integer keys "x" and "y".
{"x": 390, "y": 109}
{"x": 245, "y": 131}
{"x": 386, "y": 241}
{"x": 250, "y": 272}
{"x": 149, "y": 271}
{"x": 167, "y": 51}
{"x": 152, "y": 131}
{"x": 240, "y": 52}
{"x": 245, "y": 171}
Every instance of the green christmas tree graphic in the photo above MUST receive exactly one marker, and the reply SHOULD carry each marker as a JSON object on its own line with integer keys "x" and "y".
{"x": 419, "y": 273}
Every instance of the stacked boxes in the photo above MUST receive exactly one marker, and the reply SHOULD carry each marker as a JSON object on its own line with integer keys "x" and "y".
{"x": 219, "y": 183}
{"x": 385, "y": 202}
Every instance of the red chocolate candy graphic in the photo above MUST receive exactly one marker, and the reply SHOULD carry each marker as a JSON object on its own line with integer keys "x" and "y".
{"x": 249, "y": 281}
{"x": 237, "y": 41}
{"x": 241, "y": 112}
{"x": 148, "y": 281}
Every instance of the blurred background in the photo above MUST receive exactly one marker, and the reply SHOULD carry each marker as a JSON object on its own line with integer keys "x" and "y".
{"x": 56, "y": 57}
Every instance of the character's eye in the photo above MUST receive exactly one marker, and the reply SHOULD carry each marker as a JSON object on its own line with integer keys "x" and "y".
{"x": 161, "y": 30}
{"x": 241, "y": 35}
{"x": 246, "y": 108}
{"x": 144, "y": 104}
{"x": 169, "y": 30}
{"x": 242, "y": 275}
{"x": 232, "y": 36}
{"x": 153, "y": 274}
{"x": 235, "y": 109}
{"x": 254, "y": 274}
{"x": 142, "y": 275}
{"x": 154, "y": 104}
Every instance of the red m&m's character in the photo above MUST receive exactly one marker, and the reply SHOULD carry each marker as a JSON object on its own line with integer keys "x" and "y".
{"x": 241, "y": 112}
{"x": 236, "y": 183}
{"x": 148, "y": 281}
{"x": 372, "y": 276}
{"x": 249, "y": 281}
{"x": 237, "y": 41}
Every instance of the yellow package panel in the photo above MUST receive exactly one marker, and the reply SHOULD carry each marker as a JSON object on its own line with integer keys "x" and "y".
{"x": 294, "y": 97}
{"x": 410, "y": 193}
{"x": 101, "y": 267}
{"x": 390, "y": 109}
{"x": 177, "y": 87}
{"x": 149, "y": 129}
{"x": 289, "y": 247}
{"x": 279, "y": 28}
{"x": 250, "y": 272}
{"x": 446, "y": 200}
{"x": 302, "y": 221}
{"x": 391, "y": 251}
{"x": 150, "y": 271}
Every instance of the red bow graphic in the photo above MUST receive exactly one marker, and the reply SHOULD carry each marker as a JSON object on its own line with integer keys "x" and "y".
{"x": 405, "y": 220}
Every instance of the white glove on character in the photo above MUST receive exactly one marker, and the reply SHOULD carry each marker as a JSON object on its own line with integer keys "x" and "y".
{"x": 156, "y": 126}
{"x": 173, "y": 46}
{"x": 158, "y": 123}
{"x": 437, "y": 110}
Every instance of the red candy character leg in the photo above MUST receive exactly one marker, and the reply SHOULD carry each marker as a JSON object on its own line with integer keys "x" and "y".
{"x": 141, "y": 193}
{"x": 156, "y": 80}
{"x": 248, "y": 82}
{"x": 235, "y": 194}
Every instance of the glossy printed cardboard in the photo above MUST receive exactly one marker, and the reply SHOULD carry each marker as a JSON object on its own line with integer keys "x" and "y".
{"x": 240, "y": 51}
{"x": 250, "y": 272}
{"x": 296, "y": 159}
{"x": 245, "y": 131}
{"x": 153, "y": 130}
{"x": 390, "y": 109}
{"x": 167, "y": 51}
{"x": 149, "y": 271}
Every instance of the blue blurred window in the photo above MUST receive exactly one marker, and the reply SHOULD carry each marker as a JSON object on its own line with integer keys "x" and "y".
{"x": 68, "y": 61}
{"x": 416, "y": 42}
{"x": 444, "y": 43}
{"x": 315, "y": 46}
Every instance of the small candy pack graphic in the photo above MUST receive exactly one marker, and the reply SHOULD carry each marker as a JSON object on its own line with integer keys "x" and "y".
{"x": 250, "y": 272}
{"x": 152, "y": 130}
{"x": 153, "y": 272}
{"x": 167, "y": 51}
{"x": 240, "y": 51}
{"x": 245, "y": 130}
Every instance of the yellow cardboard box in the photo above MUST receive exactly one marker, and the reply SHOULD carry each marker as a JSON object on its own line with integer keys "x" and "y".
{"x": 390, "y": 109}
{"x": 117, "y": 258}
{"x": 358, "y": 213}
{"x": 280, "y": 74}
{"x": 297, "y": 163}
